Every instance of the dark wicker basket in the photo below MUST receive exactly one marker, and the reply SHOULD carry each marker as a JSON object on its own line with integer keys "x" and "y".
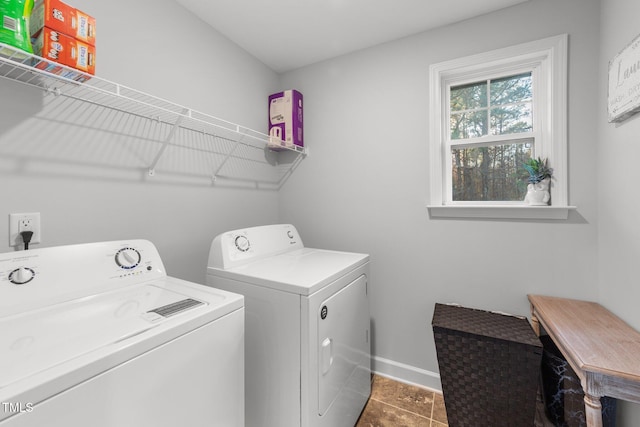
{"x": 489, "y": 367}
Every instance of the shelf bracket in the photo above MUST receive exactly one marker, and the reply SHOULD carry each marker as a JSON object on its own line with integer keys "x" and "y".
{"x": 166, "y": 141}
{"x": 294, "y": 165}
{"x": 214, "y": 177}
{"x": 53, "y": 90}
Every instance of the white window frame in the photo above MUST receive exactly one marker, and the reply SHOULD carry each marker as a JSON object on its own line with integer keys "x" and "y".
{"x": 547, "y": 60}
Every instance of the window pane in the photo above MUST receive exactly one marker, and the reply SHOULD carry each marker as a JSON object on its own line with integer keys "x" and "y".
{"x": 509, "y": 100}
{"x": 513, "y": 118}
{"x": 511, "y": 89}
{"x": 469, "y": 97}
{"x": 492, "y": 173}
{"x": 469, "y": 124}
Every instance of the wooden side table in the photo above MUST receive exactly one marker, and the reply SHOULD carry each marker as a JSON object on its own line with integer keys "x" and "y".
{"x": 602, "y": 349}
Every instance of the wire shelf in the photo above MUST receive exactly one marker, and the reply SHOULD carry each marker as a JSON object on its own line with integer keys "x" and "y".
{"x": 222, "y": 149}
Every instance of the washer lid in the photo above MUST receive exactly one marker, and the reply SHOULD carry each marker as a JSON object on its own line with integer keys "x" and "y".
{"x": 38, "y": 340}
{"x": 301, "y": 271}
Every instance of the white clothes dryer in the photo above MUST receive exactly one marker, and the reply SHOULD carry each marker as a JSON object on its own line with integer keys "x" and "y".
{"x": 307, "y": 326}
{"x": 98, "y": 335}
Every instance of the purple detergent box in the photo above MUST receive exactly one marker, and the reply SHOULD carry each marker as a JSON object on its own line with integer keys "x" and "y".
{"x": 285, "y": 120}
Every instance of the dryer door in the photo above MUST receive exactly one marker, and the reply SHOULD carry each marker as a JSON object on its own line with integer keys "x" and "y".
{"x": 344, "y": 360}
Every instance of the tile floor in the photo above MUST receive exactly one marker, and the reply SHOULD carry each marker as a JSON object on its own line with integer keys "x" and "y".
{"x": 394, "y": 404}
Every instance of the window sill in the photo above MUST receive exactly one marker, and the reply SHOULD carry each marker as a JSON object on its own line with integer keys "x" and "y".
{"x": 500, "y": 212}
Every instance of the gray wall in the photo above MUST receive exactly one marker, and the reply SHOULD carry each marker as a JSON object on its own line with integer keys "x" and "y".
{"x": 618, "y": 209}
{"x": 364, "y": 186}
{"x": 91, "y": 186}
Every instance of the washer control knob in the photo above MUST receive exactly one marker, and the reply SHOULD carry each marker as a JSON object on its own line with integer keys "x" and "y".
{"x": 21, "y": 275}
{"x": 128, "y": 258}
{"x": 242, "y": 243}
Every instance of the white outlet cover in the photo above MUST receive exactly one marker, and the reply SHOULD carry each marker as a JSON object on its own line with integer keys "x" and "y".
{"x": 14, "y": 230}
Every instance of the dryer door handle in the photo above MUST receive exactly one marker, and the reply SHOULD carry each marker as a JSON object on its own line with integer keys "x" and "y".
{"x": 326, "y": 355}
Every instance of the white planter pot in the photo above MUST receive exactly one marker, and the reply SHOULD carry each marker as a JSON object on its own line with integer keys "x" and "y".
{"x": 538, "y": 193}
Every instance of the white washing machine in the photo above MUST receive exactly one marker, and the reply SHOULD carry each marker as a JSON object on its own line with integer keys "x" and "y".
{"x": 98, "y": 335}
{"x": 307, "y": 326}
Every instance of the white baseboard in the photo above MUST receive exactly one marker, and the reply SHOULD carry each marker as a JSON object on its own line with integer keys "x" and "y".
{"x": 406, "y": 373}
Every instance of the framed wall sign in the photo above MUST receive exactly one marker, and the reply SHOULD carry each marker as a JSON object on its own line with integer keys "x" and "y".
{"x": 624, "y": 83}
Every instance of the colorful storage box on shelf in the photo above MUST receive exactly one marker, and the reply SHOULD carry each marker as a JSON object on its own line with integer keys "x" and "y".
{"x": 14, "y": 16}
{"x": 65, "y": 50}
{"x": 63, "y": 35}
{"x": 63, "y": 18}
{"x": 285, "y": 120}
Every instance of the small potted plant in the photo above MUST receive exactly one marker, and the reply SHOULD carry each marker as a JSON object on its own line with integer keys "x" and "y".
{"x": 539, "y": 181}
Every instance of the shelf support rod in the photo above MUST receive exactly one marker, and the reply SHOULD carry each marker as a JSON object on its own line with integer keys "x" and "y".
{"x": 289, "y": 171}
{"x": 227, "y": 157}
{"x": 166, "y": 141}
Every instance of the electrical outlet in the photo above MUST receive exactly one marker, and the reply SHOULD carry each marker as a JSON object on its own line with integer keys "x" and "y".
{"x": 24, "y": 222}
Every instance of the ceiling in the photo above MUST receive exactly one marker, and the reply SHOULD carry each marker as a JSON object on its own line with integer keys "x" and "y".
{"x": 288, "y": 34}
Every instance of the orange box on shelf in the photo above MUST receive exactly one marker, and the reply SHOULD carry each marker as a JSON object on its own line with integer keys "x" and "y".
{"x": 61, "y": 17}
{"x": 65, "y": 50}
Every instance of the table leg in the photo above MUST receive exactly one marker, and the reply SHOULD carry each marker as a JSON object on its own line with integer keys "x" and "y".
{"x": 593, "y": 410}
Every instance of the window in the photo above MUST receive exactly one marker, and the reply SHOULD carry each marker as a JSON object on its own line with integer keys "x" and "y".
{"x": 485, "y": 166}
{"x": 490, "y": 113}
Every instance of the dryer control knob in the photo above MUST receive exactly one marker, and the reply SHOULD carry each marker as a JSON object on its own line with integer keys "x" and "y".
{"x": 128, "y": 258}
{"x": 21, "y": 275}
{"x": 242, "y": 243}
